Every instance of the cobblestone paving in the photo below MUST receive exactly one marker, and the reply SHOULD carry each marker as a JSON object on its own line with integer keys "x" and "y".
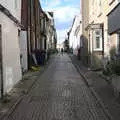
{"x": 59, "y": 94}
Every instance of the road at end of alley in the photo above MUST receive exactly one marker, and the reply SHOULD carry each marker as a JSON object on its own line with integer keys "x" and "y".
{"x": 59, "y": 94}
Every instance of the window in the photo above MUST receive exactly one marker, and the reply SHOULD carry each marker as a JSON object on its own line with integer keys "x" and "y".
{"x": 16, "y": 4}
{"x": 98, "y": 40}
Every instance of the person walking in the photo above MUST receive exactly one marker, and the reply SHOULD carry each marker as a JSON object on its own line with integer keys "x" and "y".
{"x": 62, "y": 51}
{"x": 78, "y": 54}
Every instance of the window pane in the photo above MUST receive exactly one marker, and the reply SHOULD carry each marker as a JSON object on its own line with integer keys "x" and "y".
{"x": 97, "y": 32}
{"x": 97, "y": 42}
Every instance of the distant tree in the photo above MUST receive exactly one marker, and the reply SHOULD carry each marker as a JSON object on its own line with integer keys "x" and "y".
{"x": 66, "y": 45}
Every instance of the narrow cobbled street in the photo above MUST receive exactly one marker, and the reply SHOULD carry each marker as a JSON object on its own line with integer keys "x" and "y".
{"x": 59, "y": 94}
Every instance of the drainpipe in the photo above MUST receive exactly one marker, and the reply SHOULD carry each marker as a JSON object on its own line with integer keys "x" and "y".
{"x": 28, "y": 37}
{"x": 89, "y": 49}
{"x": 1, "y": 66}
{"x": 29, "y": 46}
{"x": 2, "y": 82}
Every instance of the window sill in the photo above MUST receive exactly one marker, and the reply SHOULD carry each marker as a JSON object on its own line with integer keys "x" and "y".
{"x": 98, "y": 50}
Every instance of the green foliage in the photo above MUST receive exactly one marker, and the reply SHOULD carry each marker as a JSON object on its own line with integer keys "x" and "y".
{"x": 112, "y": 52}
{"x": 113, "y": 66}
{"x": 52, "y": 51}
{"x": 108, "y": 69}
{"x": 116, "y": 66}
{"x": 115, "y": 62}
{"x": 5, "y": 99}
{"x": 66, "y": 44}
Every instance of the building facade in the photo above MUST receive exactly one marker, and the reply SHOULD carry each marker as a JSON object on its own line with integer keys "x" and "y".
{"x": 114, "y": 26}
{"x": 85, "y": 34}
{"x": 31, "y": 15}
{"x": 26, "y": 32}
{"x": 97, "y": 30}
{"x": 75, "y": 33}
{"x": 10, "y": 27}
{"x": 51, "y": 31}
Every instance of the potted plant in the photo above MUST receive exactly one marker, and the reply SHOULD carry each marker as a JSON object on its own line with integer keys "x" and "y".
{"x": 116, "y": 76}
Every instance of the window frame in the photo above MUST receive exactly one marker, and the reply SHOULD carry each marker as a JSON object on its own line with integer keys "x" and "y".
{"x": 100, "y": 38}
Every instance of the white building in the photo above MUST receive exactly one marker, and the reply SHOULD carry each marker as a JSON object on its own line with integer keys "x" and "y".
{"x": 60, "y": 46}
{"x": 23, "y": 51}
{"x": 75, "y": 33}
{"x": 10, "y": 16}
{"x": 48, "y": 31}
{"x": 51, "y": 31}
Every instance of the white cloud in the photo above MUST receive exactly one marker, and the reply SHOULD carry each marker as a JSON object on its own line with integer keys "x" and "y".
{"x": 51, "y": 3}
{"x": 63, "y": 15}
{"x": 62, "y": 34}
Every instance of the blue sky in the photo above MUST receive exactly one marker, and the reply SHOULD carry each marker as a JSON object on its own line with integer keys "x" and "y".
{"x": 64, "y": 12}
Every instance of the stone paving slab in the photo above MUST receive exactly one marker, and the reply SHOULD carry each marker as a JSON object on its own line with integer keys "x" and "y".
{"x": 102, "y": 89}
{"x": 59, "y": 94}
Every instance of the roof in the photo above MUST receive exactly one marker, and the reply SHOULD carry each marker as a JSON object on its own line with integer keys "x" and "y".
{"x": 48, "y": 15}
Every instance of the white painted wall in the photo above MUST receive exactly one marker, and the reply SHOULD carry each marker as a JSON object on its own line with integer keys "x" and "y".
{"x": 74, "y": 38}
{"x": 14, "y": 6}
{"x": 23, "y": 50}
{"x": 11, "y": 52}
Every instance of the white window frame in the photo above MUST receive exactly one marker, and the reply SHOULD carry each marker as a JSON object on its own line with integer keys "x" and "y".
{"x": 94, "y": 40}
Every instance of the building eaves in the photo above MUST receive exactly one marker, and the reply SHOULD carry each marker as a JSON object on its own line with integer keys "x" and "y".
{"x": 94, "y": 26}
{"x": 10, "y": 16}
{"x": 49, "y": 16}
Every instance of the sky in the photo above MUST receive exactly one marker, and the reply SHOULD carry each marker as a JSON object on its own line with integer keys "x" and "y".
{"x": 64, "y": 12}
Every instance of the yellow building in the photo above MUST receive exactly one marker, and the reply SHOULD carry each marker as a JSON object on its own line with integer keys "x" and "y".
{"x": 100, "y": 34}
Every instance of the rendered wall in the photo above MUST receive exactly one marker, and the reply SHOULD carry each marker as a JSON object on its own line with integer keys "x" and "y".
{"x": 23, "y": 50}
{"x": 14, "y": 6}
{"x": 11, "y": 52}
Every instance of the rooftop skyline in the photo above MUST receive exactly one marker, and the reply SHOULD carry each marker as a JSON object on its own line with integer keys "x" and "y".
{"x": 64, "y": 12}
